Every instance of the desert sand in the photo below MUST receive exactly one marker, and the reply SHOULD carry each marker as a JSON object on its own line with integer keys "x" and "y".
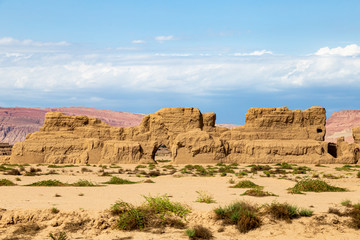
{"x": 26, "y": 211}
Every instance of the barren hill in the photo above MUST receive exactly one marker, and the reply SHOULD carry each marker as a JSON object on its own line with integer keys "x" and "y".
{"x": 16, "y": 122}
{"x": 340, "y": 123}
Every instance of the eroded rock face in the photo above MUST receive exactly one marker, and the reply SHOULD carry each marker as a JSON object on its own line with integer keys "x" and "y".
{"x": 269, "y": 135}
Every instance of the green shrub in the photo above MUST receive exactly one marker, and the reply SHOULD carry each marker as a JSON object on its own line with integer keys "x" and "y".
{"x": 256, "y": 192}
{"x": 58, "y": 236}
{"x": 241, "y": 214}
{"x": 287, "y": 212}
{"x": 49, "y": 183}
{"x": 163, "y": 205}
{"x": 199, "y": 232}
{"x": 6, "y": 182}
{"x": 83, "y": 183}
{"x": 314, "y": 185}
{"x": 155, "y": 212}
{"x": 116, "y": 180}
{"x": 120, "y": 207}
{"x": 358, "y": 174}
{"x": 246, "y": 184}
{"x": 346, "y": 203}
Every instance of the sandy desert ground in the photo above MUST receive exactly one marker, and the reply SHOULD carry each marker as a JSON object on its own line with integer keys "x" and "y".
{"x": 33, "y": 212}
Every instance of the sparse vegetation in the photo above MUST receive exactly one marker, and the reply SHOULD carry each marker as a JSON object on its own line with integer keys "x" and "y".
{"x": 346, "y": 203}
{"x": 116, "y": 180}
{"x": 287, "y": 212}
{"x": 199, "y": 232}
{"x": 58, "y": 236}
{"x": 204, "y": 197}
{"x": 242, "y": 214}
{"x": 314, "y": 185}
{"x": 257, "y": 192}
{"x": 49, "y": 183}
{"x": 84, "y": 183}
{"x": 149, "y": 181}
{"x": 246, "y": 184}
{"x": 155, "y": 212}
{"x": 6, "y": 182}
{"x": 54, "y": 210}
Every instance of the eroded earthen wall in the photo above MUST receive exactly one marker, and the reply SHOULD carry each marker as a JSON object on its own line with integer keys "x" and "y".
{"x": 269, "y": 135}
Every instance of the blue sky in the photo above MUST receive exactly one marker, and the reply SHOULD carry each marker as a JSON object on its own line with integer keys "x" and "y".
{"x": 219, "y": 56}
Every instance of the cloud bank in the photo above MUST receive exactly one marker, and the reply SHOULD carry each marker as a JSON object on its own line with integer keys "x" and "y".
{"x": 190, "y": 74}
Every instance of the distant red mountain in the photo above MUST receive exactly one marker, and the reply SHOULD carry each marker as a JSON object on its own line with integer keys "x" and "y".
{"x": 16, "y": 123}
{"x": 341, "y": 123}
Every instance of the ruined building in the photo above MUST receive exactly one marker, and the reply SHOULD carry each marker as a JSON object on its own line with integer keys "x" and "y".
{"x": 269, "y": 135}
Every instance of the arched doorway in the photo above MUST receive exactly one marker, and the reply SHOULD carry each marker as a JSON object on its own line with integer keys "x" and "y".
{"x": 162, "y": 154}
{"x": 356, "y": 155}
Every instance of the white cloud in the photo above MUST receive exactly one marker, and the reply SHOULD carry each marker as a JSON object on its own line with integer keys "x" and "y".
{"x": 164, "y": 38}
{"x": 8, "y": 41}
{"x": 255, "y": 53}
{"x": 138, "y": 41}
{"x": 349, "y": 50}
{"x": 173, "y": 72}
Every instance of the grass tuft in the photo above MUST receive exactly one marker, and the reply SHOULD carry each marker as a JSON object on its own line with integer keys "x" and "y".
{"x": 49, "y": 183}
{"x": 256, "y": 192}
{"x": 287, "y": 212}
{"x": 246, "y": 184}
{"x": 314, "y": 185}
{"x": 155, "y": 212}
{"x": 84, "y": 183}
{"x": 6, "y": 182}
{"x": 116, "y": 180}
{"x": 241, "y": 214}
{"x": 205, "y": 198}
{"x": 199, "y": 232}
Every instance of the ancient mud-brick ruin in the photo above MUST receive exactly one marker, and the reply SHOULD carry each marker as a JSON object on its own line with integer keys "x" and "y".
{"x": 5, "y": 149}
{"x": 269, "y": 135}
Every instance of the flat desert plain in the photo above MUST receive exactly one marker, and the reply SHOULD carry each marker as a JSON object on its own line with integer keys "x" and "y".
{"x": 84, "y": 207}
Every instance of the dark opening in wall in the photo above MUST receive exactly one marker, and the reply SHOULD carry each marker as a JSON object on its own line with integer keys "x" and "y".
{"x": 162, "y": 154}
{"x": 356, "y": 155}
{"x": 319, "y": 130}
{"x": 332, "y": 150}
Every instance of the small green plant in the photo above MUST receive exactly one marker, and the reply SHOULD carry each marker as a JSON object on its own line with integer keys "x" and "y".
{"x": 204, "y": 197}
{"x": 287, "y": 212}
{"x": 346, "y": 203}
{"x": 83, "y": 183}
{"x": 162, "y": 205}
{"x": 155, "y": 212}
{"x": 59, "y": 236}
{"x": 267, "y": 173}
{"x": 6, "y": 182}
{"x": 241, "y": 214}
{"x": 49, "y": 183}
{"x": 140, "y": 166}
{"x": 18, "y": 179}
{"x": 199, "y": 232}
{"x": 358, "y": 174}
{"x": 257, "y": 192}
{"x": 116, "y": 180}
{"x": 149, "y": 181}
{"x": 55, "y": 210}
{"x": 120, "y": 207}
{"x": 305, "y": 212}
{"x": 314, "y": 185}
{"x": 231, "y": 181}
{"x": 246, "y": 184}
